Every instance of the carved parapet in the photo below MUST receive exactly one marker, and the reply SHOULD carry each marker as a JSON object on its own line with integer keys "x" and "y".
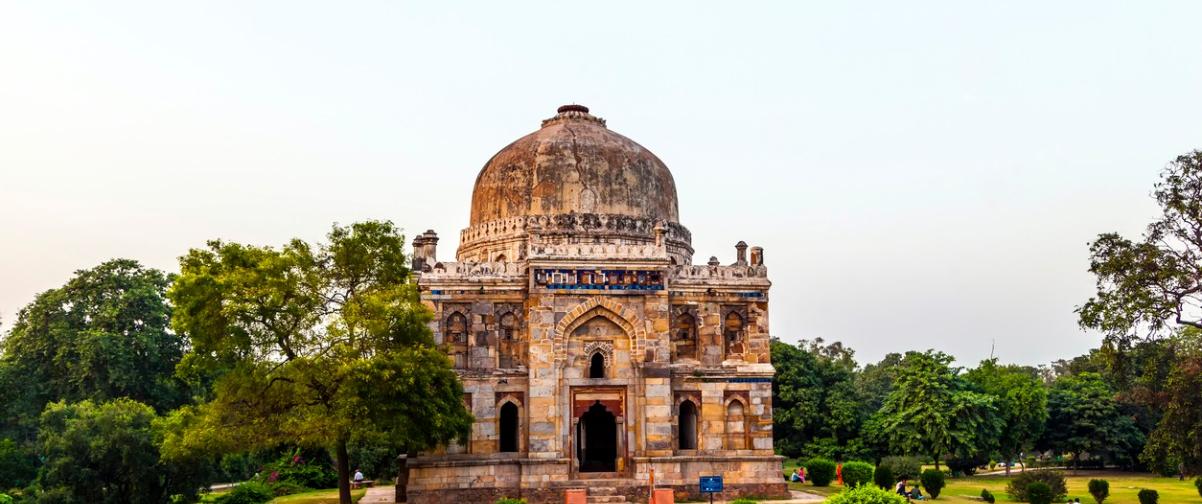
{"x": 578, "y": 227}
{"x": 600, "y": 251}
{"x": 456, "y": 271}
{"x": 719, "y": 273}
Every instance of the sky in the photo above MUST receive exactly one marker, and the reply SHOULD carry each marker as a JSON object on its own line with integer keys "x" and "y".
{"x": 920, "y": 174}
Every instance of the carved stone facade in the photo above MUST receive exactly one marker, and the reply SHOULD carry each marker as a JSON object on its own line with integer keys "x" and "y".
{"x": 592, "y": 350}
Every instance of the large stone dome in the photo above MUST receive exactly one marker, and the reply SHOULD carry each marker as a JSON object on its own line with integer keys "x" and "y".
{"x": 573, "y": 182}
{"x": 574, "y": 165}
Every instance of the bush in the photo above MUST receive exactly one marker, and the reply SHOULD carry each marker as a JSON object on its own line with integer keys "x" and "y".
{"x": 1198, "y": 485}
{"x": 1039, "y": 493}
{"x": 933, "y": 482}
{"x": 883, "y": 477}
{"x": 866, "y": 494}
{"x": 903, "y": 467}
{"x": 5, "y": 499}
{"x": 857, "y": 473}
{"x": 820, "y": 471}
{"x": 297, "y": 468}
{"x": 1148, "y": 496}
{"x": 282, "y": 488}
{"x": 1099, "y": 489}
{"x": 987, "y": 496}
{"x": 1053, "y": 479}
{"x": 510, "y": 500}
{"x": 743, "y": 501}
{"x": 251, "y": 492}
{"x": 966, "y": 466}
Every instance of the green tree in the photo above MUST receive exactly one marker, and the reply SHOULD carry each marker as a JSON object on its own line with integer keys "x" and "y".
{"x": 319, "y": 345}
{"x": 1145, "y": 287}
{"x": 928, "y": 410}
{"x": 1021, "y": 402}
{"x": 1083, "y": 416}
{"x": 107, "y": 453}
{"x": 817, "y": 408}
{"x": 1178, "y": 435}
{"x": 103, "y": 335}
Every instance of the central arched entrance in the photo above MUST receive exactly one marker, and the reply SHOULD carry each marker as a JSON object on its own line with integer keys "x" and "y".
{"x": 597, "y": 433}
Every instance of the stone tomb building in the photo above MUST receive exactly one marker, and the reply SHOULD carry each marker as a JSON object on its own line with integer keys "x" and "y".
{"x": 592, "y": 349}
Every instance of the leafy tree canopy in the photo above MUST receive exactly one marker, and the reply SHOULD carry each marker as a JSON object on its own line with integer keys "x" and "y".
{"x": 1021, "y": 401}
{"x": 317, "y": 344}
{"x": 1146, "y": 286}
{"x": 107, "y": 453}
{"x": 1083, "y": 416}
{"x": 104, "y": 334}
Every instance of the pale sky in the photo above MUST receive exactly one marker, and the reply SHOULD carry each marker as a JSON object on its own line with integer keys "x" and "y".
{"x": 920, "y": 174}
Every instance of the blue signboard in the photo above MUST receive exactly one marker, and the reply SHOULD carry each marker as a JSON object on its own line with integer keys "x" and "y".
{"x": 711, "y": 484}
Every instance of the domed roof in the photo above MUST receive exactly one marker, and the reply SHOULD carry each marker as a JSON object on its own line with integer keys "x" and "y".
{"x": 574, "y": 164}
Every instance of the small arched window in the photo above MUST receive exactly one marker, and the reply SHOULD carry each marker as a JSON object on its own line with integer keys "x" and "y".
{"x": 596, "y": 367}
{"x": 456, "y": 329}
{"x": 509, "y": 326}
{"x": 736, "y": 429}
{"x": 732, "y": 332}
{"x": 509, "y": 427}
{"x": 684, "y": 336}
{"x": 686, "y": 427}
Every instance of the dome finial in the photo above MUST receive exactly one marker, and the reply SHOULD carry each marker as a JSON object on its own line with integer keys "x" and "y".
{"x": 572, "y": 108}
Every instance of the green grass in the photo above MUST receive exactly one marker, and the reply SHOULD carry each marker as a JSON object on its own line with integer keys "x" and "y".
{"x": 1123, "y": 488}
{"x": 314, "y": 497}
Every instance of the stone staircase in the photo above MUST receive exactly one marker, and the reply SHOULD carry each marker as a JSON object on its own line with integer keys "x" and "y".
{"x": 604, "y": 495}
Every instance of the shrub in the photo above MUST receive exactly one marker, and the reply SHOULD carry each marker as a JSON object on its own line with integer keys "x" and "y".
{"x": 903, "y": 467}
{"x": 966, "y": 466}
{"x": 296, "y": 468}
{"x": 1148, "y": 496}
{"x": 1039, "y": 493}
{"x": 1099, "y": 489}
{"x": 1053, "y": 479}
{"x": 510, "y": 500}
{"x": 282, "y": 488}
{"x": 1198, "y": 485}
{"x": 933, "y": 482}
{"x": 820, "y": 471}
{"x": 987, "y": 496}
{"x": 857, "y": 473}
{"x": 883, "y": 477}
{"x": 743, "y": 501}
{"x": 5, "y": 499}
{"x": 866, "y": 494}
{"x": 251, "y": 492}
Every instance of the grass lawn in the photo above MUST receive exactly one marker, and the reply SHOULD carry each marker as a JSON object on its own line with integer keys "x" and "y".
{"x": 1123, "y": 488}
{"x": 314, "y": 497}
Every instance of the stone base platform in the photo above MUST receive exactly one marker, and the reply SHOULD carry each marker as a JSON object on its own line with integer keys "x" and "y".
{"x": 544, "y": 481}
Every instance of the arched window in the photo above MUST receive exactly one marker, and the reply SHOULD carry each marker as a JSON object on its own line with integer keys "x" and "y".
{"x": 456, "y": 329}
{"x": 686, "y": 426}
{"x": 732, "y": 332}
{"x": 509, "y": 427}
{"x": 736, "y": 430}
{"x": 596, "y": 367}
{"x": 684, "y": 336}
{"x": 511, "y": 352}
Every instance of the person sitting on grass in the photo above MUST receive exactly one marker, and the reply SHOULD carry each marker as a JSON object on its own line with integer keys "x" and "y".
{"x": 796, "y": 477}
{"x": 916, "y": 494}
{"x": 900, "y": 487}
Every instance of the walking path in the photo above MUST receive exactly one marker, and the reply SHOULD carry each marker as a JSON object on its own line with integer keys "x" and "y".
{"x": 379, "y": 495}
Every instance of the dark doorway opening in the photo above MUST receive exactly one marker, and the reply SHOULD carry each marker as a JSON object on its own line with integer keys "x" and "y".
{"x": 596, "y": 367}
{"x": 686, "y": 430}
{"x": 597, "y": 435}
{"x": 509, "y": 427}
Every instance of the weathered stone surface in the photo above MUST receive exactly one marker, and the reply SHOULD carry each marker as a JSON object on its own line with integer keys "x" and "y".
{"x": 575, "y": 202}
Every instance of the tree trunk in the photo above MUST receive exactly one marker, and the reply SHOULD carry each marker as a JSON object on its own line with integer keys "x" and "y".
{"x": 342, "y": 460}
{"x": 1009, "y": 457}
